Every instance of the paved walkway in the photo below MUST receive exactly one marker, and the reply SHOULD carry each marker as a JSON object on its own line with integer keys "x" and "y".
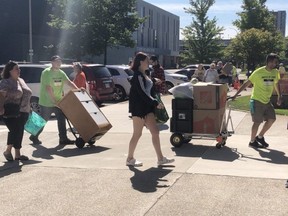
{"x": 235, "y": 180}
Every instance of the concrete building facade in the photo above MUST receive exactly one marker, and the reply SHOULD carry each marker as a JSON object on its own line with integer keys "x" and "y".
{"x": 280, "y": 21}
{"x": 158, "y": 35}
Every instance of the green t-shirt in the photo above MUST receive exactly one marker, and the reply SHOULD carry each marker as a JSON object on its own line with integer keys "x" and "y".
{"x": 56, "y": 80}
{"x": 263, "y": 82}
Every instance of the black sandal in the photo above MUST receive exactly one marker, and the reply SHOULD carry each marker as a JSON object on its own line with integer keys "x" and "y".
{"x": 8, "y": 156}
{"x": 22, "y": 158}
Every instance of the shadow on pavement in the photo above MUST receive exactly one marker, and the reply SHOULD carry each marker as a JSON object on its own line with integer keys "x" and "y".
{"x": 190, "y": 150}
{"x": 224, "y": 154}
{"x": 84, "y": 151}
{"x": 14, "y": 167}
{"x": 149, "y": 180}
{"x": 270, "y": 156}
{"x": 47, "y": 153}
{"x": 208, "y": 152}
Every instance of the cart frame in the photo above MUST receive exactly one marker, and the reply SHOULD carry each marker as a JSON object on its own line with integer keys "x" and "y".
{"x": 178, "y": 138}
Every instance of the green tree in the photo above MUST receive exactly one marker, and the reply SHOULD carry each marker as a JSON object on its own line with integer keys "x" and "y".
{"x": 91, "y": 26}
{"x": 253, "y": 45}
{"x": 255, "y": 14}
{"x": 202, "y": 36}
{"x": 258, "y": 35}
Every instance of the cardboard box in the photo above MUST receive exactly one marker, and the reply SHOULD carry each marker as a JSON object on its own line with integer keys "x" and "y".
{"x": 84, "y": 115}
{"x": 208, "y": 121}
{"x": 227, "y": 68}
{"x": 209, "y": 96}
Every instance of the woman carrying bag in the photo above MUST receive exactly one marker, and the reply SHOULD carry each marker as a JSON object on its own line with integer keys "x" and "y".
{"x": 14, "y": 108}
{"x": 142, "y": 106}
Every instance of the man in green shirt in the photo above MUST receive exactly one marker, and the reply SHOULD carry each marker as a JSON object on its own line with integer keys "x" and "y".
{"x": 264, "y": 80}
{"x": 51, "y": 92}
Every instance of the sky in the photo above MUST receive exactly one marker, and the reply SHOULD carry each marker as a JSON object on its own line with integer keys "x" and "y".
{"x": 224, "y": 11}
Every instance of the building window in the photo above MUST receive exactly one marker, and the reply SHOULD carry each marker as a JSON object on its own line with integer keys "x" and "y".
{"x": 155, "y": 38}
{"x": 151, "y": 18}
{"x": 143, "y": 14}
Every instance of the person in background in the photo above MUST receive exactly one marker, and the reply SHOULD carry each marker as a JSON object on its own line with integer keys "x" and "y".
{"x": 142, "y": 106}
{"x": 80, "y": 78}
{"x": 234, "y": 74}
{"x": 282, "y": 70}
{"x": 223, "y": 77}
{"x": 211, "y": 74}
{"x": 230, "y": 75}
{"x": 264, "y": 80}
{"x": 199, "y": 72}
{"x": 15, "y": 90}
{"x": 158, "y": 74}
{"x": 51, "y": 92}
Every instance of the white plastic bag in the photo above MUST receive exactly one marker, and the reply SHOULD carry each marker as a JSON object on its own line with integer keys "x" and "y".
{"x": 184, "y": 90}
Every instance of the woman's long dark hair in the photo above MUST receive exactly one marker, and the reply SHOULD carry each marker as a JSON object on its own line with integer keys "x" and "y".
{"x": 8, "y": 67}
{"x": 140, "y": 56}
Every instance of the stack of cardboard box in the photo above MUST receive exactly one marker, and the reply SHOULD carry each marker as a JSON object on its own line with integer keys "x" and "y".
{"x": 209, "y": 107}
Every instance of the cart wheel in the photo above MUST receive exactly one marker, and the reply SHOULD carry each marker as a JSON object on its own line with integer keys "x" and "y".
{"x": 176, "y": 139}
{"x": 79, "y": 142}
{"x": 186, "y": 140}
{"x": 91, "y": 142}
{"x": 223, "y": 143}
{"x": 218, "y": 145}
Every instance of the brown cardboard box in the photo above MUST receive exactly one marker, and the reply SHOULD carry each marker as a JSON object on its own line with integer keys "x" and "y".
{"x": 84, "y": 114}
{"x": 208, "y": 121}
{"x": 209, "y": 96}
{"x": 227, "y": 68}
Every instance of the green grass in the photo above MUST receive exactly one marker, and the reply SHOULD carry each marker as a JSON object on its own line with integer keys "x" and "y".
{"x": 242, "y": 103}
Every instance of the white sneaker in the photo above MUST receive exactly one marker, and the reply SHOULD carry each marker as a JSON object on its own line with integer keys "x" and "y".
{"x": 165, "y": 161}
{"x": 134, "y": 162}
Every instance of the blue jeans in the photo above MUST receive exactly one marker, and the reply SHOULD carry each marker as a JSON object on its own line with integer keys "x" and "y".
{"x": 61, "y": 120}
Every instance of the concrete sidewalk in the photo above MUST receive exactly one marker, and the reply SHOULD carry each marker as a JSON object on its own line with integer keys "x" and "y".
{"x": 235, "y": 180}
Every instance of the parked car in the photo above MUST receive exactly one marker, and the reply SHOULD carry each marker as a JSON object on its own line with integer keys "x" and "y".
{"x": 31, "y": 74}
{"x": 195, "y": 66}
{"x": 100, "y": 81}
{"x": 120, "y": 75}
{"x": 172, "y": 79}
{"x": 187, "y": 72}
